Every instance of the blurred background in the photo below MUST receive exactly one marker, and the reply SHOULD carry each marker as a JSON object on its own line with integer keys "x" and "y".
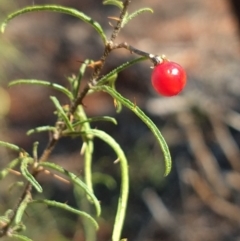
{"x": 200, "y": 199}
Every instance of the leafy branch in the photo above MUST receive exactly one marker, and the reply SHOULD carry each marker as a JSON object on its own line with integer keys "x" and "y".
{"x": 73, "y": 121}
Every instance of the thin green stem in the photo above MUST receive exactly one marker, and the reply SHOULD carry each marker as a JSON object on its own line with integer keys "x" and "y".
{"x": 88, "y": 148}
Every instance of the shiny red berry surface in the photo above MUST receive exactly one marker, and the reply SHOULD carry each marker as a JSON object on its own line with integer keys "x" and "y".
{"x": 168, "y": 78}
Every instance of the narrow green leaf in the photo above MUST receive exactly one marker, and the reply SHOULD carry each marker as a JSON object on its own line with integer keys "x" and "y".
{"x": 103, "y": 118}
{"x": 76, "y": 82}
{"x": 123, "y": 197}
{"x": 135, "y": 14}
{"x": 11, "y": 146}
{"x": 4, "y": 172}
{"x": 35, "y": 151}
{"x": 113, "y": 78}
{"x": 117, "y": 3}
{"x": 88, "y": 146}
{"x": 28, "y": 175}
{"x": 41, "y": 129}
{"x": 8, "y": 213}
{"x": 95, "y": 119}
{"x": 67, "y": 208}
{"x": 22, "y": 207}
{"x": 76, "y": 180}
{"x": 127, "y": 103}
{"x": 61, "y": 112}
{"x": 20, "y": 237}
{"x": 59, "y": 9}
{"x": 106, "y": 78}
{"x": 43, "y": 83}
{"x": 111, "y": 83}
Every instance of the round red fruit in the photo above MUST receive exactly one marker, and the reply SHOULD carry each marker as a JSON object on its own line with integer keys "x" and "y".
{"x": 168, "y": 78}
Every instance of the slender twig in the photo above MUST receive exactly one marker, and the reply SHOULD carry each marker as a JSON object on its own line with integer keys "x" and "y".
{"x": 48, "y": 150}
{"x": 79, "y": 99}
{"x": 156, "y": 59}
{"x": 121, "y": 18}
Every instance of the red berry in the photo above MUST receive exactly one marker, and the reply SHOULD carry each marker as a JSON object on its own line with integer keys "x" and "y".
{"x": 168, "y": 78}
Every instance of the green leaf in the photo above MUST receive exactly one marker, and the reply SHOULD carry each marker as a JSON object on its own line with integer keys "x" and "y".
{"x": 67, "y": 208}
{"x": 113, "y": 78}
{"x": 28, "y": 175}
{"x": 43, "y": 83}
{"x": 95, "y": 119}
{"x": 108, "y": 77}
{"x": 135, "y": 14}
{"x": 127, "y": 103}
{"x": 117, "y": 103}
{"x": 22, "y": 207}
{"x": 123, "y": 197}
{"x": 41, "y": 129}
{"x": 88, "y": 146}
{"x": 59, "y": 9}
{"x": 20, "y": 237}
{"x": 87, "y": 151}
{"x": 35, "y": 151}
{"x": 11, "y": 146}
{"x": 117, "y": 3}
{"x": 76, "y": 81}
{"x": 9, "y": 213}
{"x": 61, "y": 112}
{"x": 76, "y": 180}
{"x": 4, "y": 172}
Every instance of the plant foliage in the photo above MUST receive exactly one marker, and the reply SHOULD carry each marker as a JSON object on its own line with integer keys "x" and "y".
{"x": 71, "y": 120}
